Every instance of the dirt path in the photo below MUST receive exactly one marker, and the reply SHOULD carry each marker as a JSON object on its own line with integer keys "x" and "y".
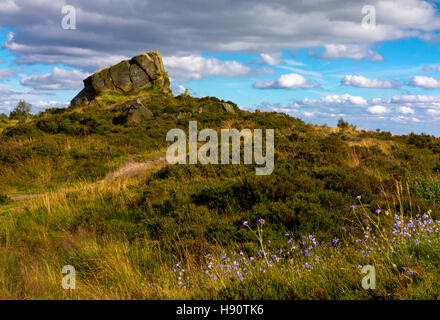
{"x": 17, "y": 197}
{"x": 128, "y": 169}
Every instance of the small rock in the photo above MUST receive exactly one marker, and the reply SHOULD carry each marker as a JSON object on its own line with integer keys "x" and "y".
{"x": 136, "y": 113}
{"x": 227, "y": 107}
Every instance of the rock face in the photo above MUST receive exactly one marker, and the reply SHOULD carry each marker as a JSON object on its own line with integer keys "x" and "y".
{"x": 137, "y": 113}
{"x": 228, "y": 107}
{"x": 144, "y": 70}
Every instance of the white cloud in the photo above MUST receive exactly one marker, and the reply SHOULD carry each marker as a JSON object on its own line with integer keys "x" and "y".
{"x": 289, "y": 81}
{"x": 425, "y": 82}
{"x": 433, "y": 112}
{"x": 174, "y": 28}
{"x": 352, "y": 51}
{"x": 345, "y": 99}
{"x": 178, "y": 89}
{"x": 405, "y": 110}
{"x": 183, "y": 68}
{"x": 378, "y": 109}
{"x": 6, "y": 73}
{"x": 57, "y": 79}
{"x": 364, "y": 82}
{"x": 272, "y": 59}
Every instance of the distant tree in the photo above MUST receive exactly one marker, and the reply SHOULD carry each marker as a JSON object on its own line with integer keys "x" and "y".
{"x": 342, "y": 124}
{"x": 21, "y": 111}
{"x": 3, "y": 117}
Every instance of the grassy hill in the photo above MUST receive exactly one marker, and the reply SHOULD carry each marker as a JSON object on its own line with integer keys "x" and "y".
{"x": 175, "y": 231}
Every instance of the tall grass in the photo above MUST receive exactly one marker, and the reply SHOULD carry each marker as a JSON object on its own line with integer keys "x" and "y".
{"x": 82, "y": 227}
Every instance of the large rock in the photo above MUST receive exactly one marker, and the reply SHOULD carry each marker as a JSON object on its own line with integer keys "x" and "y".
{"x": 120, "y": 75}
{"x": 151, "y": 63}
{"x": 144, "y": 70}
{"x": 138, "y": 76}
{"x": 99, "y": 81}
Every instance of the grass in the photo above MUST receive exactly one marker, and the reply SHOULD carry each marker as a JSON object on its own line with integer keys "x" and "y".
{"x": 89, "y": 227}
{"x": 124, "y": 225}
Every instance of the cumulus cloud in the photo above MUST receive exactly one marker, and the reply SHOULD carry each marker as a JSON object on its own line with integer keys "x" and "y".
{"x": 401, "y": 112}
{"x": 425, "y": 82}
{"x": 378, "y": 109}
{"x": 174, "y": 28}
{"x": 405, "y": 110}
{"x": 364, "y": 82}
{"x": 352, "y": 51}
{"x": 289, "y": 81}
{"x": 183, "y": 68}
{"x": 343, "y": 99}
{"x": 57, "y": 79}
{"x": 433, "y": 112}
{"x": 271, "y": 59}
{"x": 178, "y": 89}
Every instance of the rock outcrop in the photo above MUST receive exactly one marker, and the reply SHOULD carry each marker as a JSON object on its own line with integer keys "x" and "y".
{"x": 142, "y": 71}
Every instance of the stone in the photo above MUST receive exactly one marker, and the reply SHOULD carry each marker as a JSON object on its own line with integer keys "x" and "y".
{"x": 143, "y": 71}
{"x": 138, "y": 77}
{"x": 227, "y": 107}
{"x": 151, "y": 63}
{"x": 99, "y": 81}
{"x": 120, "y": 75}
{"x": 136, "y": 113}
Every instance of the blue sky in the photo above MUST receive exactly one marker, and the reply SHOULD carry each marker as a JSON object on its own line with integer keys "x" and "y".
{"x": 313, "y": 60}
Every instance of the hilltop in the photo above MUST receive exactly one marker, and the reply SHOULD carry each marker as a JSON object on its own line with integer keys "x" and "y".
{"x": 125, "y": 228}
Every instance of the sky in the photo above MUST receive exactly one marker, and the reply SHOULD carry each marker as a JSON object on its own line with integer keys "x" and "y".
{"x": 374, "y": 63}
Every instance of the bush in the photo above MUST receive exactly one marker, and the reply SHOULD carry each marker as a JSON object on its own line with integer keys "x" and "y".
{"x": 3, "y": 118}
{"x": 4, "y": 199}
{"x": 342, "y": 124}
{"x": 21, "y": 111}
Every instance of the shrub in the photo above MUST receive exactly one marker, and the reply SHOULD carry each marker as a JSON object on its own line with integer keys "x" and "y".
{"x": 21, "y": 111}
{"x": 4, "y": 199}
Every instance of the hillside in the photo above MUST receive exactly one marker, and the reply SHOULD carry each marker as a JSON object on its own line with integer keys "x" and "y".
{"x": 126, "y": 232}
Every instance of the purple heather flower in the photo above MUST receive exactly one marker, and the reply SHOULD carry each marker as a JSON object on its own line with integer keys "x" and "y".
{"x": 416, "y": 184}
{"x": 359, "y": 266}
{"x": 352, "y": 208}
{"x": 261, "y": 221}
{"x": 245, "y": 223}
{"x": 378, "y": 211}
{"x": 359, "y": 197}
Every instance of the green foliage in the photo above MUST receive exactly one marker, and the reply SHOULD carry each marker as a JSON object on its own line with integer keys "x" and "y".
{"x": 21, "y": 111}
{"x": 182, "y": 212}
{"x": 3, "y": 118}
{"x": 4, "y": 199}
{"x": 342, "y": 124}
